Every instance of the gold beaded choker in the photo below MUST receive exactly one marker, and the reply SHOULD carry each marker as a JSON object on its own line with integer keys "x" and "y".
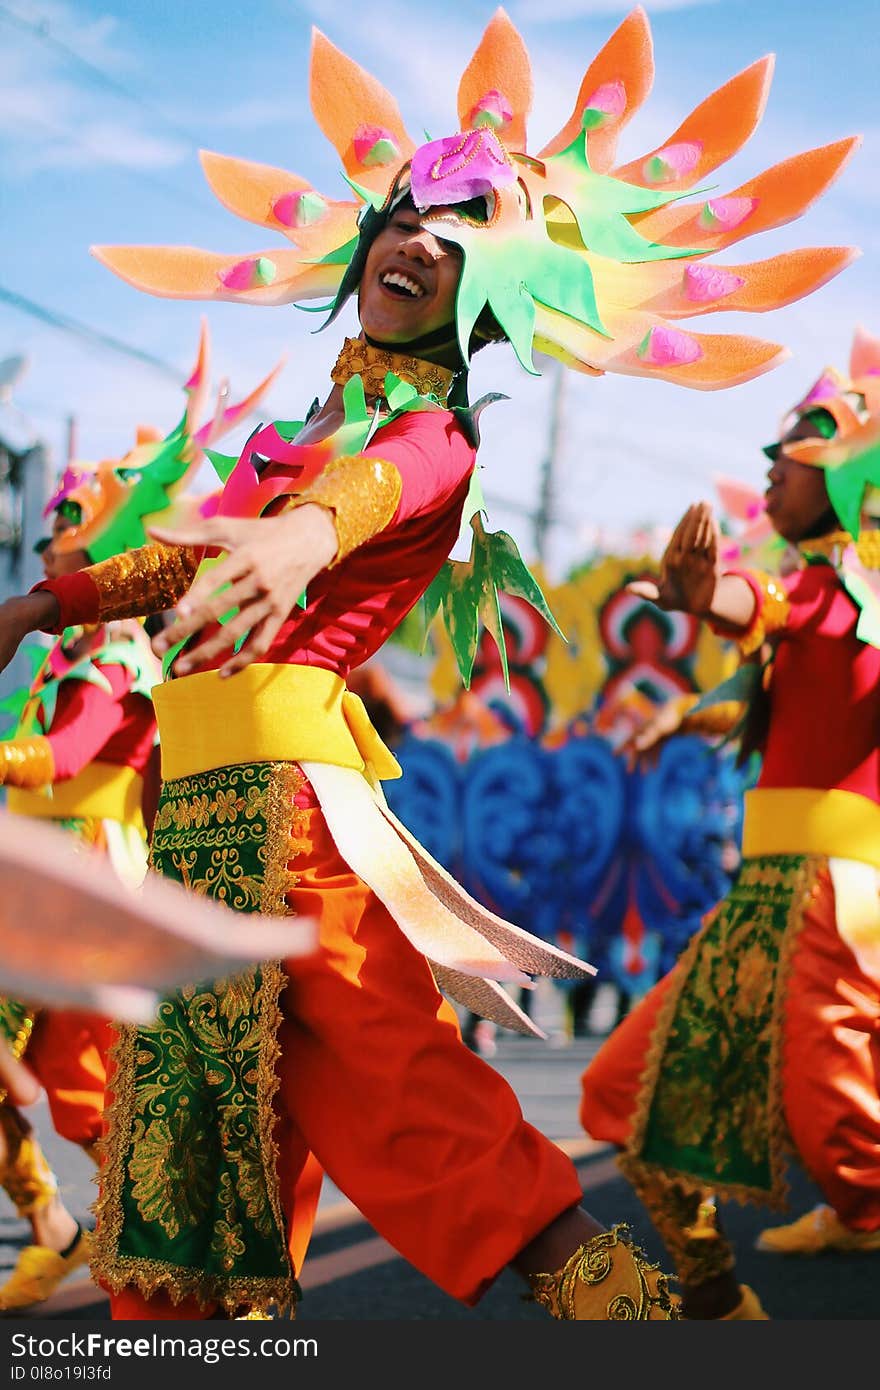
{"x": 372, "y": 364}
{"x": 835, "y": 543}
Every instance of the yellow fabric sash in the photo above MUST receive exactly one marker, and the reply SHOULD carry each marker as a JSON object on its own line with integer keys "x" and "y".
{"x": 802, "y": 820}
{"x": 102, "y": 790}
{"x": 266, "y": 713}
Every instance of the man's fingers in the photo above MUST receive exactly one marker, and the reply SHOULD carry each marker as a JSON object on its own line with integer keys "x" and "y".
{"x": 189, "y": 621}
{"x": 220, "y": 641}
{"x": 209, "y": 601}
{"x": 257, "y": 645}
{"x": 691, "y": 529}
{"x": 205, "y": 589}
{"x": 212, "y": 531}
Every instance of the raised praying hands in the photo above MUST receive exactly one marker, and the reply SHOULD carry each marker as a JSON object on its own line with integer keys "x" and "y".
{"x": 690, "y": 569}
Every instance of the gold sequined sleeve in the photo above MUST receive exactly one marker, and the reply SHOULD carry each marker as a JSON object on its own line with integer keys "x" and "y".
{"x": 363, "y": 494}
{"x": 772, "y": 608}
{"x": 143, "y": 581}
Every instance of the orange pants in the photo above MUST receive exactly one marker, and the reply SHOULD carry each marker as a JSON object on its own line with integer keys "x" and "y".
{"x": 427, "y": 1140}
{"x": 67, "y": 1052}
{"x": 830, "y": 1069}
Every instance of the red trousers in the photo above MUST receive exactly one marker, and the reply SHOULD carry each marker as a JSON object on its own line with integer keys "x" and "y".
{"x": 427, "y": 1140}
{"x": 830, "y": 1069}
{"x": 68, "y": 1054}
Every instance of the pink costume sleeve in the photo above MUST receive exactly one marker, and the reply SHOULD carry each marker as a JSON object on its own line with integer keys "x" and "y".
{"x": 431, "y": 455}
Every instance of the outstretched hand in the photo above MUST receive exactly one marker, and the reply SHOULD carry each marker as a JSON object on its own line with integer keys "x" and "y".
{"x": 268, "y": 564}
{"x": 689, "y": 570}
{"x": 642, "y": 748}
{"x": 20, "y": 616}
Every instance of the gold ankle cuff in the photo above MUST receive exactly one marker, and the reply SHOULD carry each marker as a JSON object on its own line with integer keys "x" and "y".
{"x": 607, "y": 1280}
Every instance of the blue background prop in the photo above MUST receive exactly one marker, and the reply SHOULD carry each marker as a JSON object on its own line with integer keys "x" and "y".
{"x": 563, "y": 840}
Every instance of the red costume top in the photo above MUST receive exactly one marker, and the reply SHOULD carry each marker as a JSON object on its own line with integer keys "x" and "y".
{"x": 354, "y": 605}
{"x": 825, "y": 691}
{"x": 89, "y": 724}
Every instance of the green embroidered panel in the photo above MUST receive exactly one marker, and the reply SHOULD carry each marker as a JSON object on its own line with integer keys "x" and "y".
{"x": 190, "y": 1193}
{"x": 714, "y": 1109}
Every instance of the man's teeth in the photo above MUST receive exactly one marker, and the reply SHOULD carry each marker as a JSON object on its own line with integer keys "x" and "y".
{"x": 403, "y": 282}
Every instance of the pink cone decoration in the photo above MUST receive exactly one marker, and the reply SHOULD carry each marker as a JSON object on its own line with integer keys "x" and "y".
{"x": 374, "y": 146}
{"x": 300, "y": 209}
{"x": 607, "y": 103}
{"x": 668, "y": 347}
{"x": 673, "y": 162}
{"x": 703, "y": 284}
{"x": 248, "y": 274}
{"x": 492, "y": 111}
{"x": 460, "y": 167}
{"x": 724, "y": 214}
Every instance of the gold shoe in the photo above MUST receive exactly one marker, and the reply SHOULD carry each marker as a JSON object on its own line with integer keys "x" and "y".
{"x": 814, "y": 1232}
{"x": 38, "y": 1272}
{"x": 607, "y": 1280}
{"x": 748, "y": 1309}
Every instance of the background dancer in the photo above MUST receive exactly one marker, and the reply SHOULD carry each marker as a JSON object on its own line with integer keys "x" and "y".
{"x": 765, "y": 1032}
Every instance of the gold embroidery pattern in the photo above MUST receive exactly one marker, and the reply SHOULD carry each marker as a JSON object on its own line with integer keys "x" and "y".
{"x": 143, "y": 581}
{"x": 609, "y": 1280}
{"x": 189, "y": 1193}
{"x": 363, "y": 494}
{"x": 372, "y": 365}
{"x": 709, "y": 1112}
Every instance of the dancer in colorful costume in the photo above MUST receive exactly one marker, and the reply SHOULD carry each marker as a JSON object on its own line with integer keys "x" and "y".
{"x": 353, "y": 1055}
{"x": 763, "y": 1036}
{"x": 84, "y": 738}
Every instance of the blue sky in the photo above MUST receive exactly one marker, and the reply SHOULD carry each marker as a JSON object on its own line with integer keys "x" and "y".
{"x": 82, "y": 162}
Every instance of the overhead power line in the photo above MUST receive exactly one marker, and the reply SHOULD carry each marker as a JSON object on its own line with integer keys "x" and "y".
{"x": 40, "y": 31}
{"x": 84, "y": 331}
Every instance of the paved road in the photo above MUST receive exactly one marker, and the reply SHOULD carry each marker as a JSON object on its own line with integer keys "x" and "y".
{"x": 352, "y": 1273}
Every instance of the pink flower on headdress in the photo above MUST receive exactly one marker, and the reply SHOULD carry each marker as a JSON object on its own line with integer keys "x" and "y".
{"x": 464, "y": 166}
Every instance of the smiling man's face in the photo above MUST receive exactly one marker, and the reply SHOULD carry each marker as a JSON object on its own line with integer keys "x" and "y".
{"x": 410, "y": 281}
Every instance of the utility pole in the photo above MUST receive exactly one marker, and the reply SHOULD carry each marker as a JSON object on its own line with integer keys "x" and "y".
{"x": 546, "y": 496}
{"x": 72, "y": 441}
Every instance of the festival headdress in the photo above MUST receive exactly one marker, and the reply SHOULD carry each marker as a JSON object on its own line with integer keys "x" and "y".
{"x": 845, "y": 410}
{"x": 112, "y": 503}
{"x": 587, "y": 260}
